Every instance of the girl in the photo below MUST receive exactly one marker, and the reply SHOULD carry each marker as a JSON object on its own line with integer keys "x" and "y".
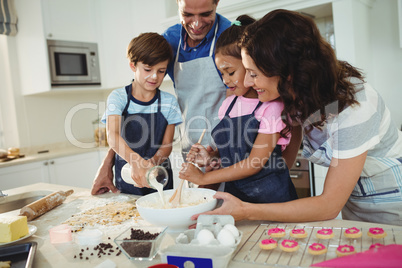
{"x": 250, "y": 136}
{"x": 347, "y": 126}
{"x": 141, "y": 118}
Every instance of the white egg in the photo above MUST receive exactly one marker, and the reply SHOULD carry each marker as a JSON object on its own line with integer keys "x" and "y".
{"x": 232, "y": 229}
{"x": 205, "y": 237}
{"x": 226, "y": 238}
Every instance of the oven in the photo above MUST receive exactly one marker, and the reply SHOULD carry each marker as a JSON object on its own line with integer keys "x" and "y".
{"x": 301, "y": 174}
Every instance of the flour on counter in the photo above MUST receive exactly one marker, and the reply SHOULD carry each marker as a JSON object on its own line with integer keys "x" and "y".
{"x": 105, "y": 211}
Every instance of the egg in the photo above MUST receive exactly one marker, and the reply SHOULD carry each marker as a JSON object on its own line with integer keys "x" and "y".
{"x": 205, "y": 237}
{"x": 232, "y": 229}
{"x": 226, "y": 238}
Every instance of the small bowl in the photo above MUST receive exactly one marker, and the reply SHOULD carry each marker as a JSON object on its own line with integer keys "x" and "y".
{"x": 139, "y": 250}
{"x": 196, "y": 200}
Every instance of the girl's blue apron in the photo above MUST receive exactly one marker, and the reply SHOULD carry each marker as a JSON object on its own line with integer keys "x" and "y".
{"x": 234, "y": 138}
{"x": 143, "y": 133}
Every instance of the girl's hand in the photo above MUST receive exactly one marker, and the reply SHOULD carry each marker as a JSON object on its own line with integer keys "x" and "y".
{"x": 138, "y": 172}
{"x": 198, "y": 154}
{"x": 192, "y": 173}
{"x": 231, "y": 206}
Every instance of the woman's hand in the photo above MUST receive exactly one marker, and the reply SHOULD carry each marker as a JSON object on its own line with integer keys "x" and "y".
{"x": 192, "y": 173}
{"x": 231, "y": 206}
{"x": 198, "y": 154}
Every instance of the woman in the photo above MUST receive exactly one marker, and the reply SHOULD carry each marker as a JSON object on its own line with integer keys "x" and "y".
{"x": 346, "y": 125}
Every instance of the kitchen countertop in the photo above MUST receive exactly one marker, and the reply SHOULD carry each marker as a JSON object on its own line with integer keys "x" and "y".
{"x": 53, "y": 152}
{"x": 62, "y": 255}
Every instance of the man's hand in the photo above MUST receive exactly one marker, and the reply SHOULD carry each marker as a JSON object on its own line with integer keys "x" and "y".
{"x": 103, "y": 182}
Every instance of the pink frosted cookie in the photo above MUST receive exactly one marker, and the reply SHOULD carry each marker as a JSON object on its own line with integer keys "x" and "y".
{"x": 376, "y": 245}
{"x": 268, "y": 244}
{"x": 325, "y": 234}
{"x": 353, "y": 233}
{"x": 276, "y": 232}
{"x": 377, "y": 232}
{"x": 289, "y": 245}
{"x": 298, "y": 233}
{"x": 344, "y": 250}
{"x": 317, "y": 249}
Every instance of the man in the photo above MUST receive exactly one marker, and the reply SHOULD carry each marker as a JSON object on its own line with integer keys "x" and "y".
{"x": 198, "y": 85}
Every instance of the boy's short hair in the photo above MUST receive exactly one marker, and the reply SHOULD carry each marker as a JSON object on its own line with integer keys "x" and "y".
{"x": 149, "y": 48}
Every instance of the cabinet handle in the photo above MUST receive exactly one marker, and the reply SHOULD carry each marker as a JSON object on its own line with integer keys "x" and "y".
{"x": 50, "y": 35}
{"x": 52, "y": 162}
{"x": 46, "y": 163}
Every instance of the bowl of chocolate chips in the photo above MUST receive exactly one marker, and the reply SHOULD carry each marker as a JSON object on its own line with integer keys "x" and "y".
{"x": 141, "y": 242}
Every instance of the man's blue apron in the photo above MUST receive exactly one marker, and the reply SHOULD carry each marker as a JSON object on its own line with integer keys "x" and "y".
{"x": 143, "y": 133}
{"x": 234, "y": 138}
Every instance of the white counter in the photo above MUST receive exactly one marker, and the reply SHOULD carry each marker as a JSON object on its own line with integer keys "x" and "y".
{"x": 62, "y": 255}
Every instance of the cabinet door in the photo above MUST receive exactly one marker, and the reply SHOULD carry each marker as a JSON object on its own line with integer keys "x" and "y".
{"x": 24, "y": 174}
{"x": 72, "y": 20}
{"x": 77, "y": 170}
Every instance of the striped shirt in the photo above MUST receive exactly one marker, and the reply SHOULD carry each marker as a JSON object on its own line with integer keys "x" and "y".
{"x": 362, "y": 127}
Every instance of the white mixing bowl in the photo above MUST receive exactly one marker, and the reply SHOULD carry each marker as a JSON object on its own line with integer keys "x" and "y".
{"x": 194, "y": 201}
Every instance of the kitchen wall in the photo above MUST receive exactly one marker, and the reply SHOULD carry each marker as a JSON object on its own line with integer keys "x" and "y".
{"x": 40, "y": 119}
{"x": 386, "y": 51}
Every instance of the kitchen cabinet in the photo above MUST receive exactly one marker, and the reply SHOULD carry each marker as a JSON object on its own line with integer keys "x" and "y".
{"x": 73, "y": 20}
{"x": 39, "y": 20}
{"x": 320, "y": 173}
{"x": 32, "y": 60}
{"x": 23, "y": 174}
{"x": 75, "y": 170}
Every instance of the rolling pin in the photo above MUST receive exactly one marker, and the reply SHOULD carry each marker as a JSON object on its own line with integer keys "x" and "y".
{"x": 45, "y": 204}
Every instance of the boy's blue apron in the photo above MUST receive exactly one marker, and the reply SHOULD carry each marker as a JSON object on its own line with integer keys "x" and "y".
{"x": 143, "y": 133}
{"x": 234, "y": 138}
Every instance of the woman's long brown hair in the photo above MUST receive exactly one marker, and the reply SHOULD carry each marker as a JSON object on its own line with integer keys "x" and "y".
{"x": 289, "y": 45}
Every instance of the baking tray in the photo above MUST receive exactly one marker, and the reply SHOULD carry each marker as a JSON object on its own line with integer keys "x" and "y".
{"x": 251, "y": 253}
{"x": 20, "y": 255}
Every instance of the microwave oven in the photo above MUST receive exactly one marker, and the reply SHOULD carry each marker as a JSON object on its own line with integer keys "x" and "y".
{"x": 73, "y": 63}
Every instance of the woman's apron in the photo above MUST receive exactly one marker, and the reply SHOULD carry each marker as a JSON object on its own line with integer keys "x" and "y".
{"x": 143, "y": 133}
{"x": 200, "y": 92}
{"x": 234, "y": 138}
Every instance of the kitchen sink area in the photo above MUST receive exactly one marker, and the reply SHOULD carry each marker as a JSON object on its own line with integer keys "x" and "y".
{"x": 17, "y": 201}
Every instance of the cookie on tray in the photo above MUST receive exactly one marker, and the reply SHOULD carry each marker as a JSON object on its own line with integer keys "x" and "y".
{"x": 289, "y": 245}
{"x": 325, "y": 234}
{"x": 317, "y": 249}
{"x": 344, "y": 250}
{"x": 268, "y": 244}
{"x": 353, "y": 232}
{"x": 298, "y": 233}
{"x": 276, "y": 232}
{"x": 377, "y": 232}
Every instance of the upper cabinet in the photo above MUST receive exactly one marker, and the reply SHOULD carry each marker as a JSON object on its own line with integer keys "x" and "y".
{"x": 73, "y": 20}
{"x": 38, "y": 20}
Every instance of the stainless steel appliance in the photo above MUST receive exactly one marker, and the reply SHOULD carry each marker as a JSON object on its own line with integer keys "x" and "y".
{"x": 301, "y": 174}
{"x": 73, "y": 63}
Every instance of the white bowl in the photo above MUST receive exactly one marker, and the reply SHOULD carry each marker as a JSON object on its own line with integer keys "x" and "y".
{"x": 194, "y": 201}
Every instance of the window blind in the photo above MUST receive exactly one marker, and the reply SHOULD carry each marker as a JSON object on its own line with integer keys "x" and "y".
{"x": 8, "y": 18}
